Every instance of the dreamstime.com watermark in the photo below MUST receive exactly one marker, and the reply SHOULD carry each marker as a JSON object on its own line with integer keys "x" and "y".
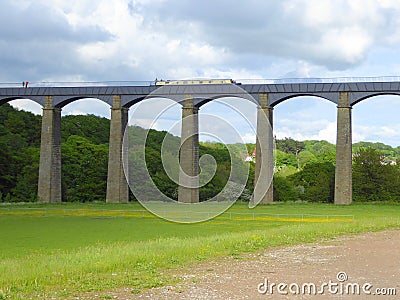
{"x": 340, "y": 286}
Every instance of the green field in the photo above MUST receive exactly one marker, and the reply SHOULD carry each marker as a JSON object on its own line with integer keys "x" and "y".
{"x": 70, "y": 249}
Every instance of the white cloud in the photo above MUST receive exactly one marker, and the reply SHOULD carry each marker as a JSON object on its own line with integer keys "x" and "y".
{"x": 302, "y": 132}
{"x": 249, "y": 138}
{"x": 389, "y": 134}
{"x": 87, "y": 106}
{"x": 141, "y": 39}
{"x": 171, "y": 39}
{"x": 27, "y": 105}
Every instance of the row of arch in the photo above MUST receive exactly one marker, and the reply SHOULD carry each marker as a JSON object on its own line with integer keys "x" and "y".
{"x": 131, "y": 103}
{"x": 274, "y": 98}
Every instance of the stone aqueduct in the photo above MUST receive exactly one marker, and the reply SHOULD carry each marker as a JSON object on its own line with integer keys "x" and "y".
{"x": 191, "y": 97}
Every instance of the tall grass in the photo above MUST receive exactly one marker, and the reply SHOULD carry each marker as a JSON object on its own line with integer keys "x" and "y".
{"x": 142, "y": 263}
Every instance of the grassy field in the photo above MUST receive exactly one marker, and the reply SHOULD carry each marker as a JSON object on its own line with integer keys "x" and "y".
{"x": 70, "y": 249}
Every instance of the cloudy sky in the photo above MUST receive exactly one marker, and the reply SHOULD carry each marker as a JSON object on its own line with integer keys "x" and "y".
{"x": 140, "y": 40}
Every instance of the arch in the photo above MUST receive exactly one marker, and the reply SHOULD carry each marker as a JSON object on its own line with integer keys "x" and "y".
{"x": 198, "y": 101}
{"x": 62, "y": 102}
{"x": 27, "y": 105}
{"x": 234, "y": 110}
{"x": 275, "y": 99}
{"x": 358, "y": 97}
{"x": 313, "y": 119}
{"x": 143, "y": 112}
{"x": 8, "y": 99}
{"x": 202, "y": 101}
{"x": 202, "y": 93}
{"x": 381, "y": 126}
{"x": 128, "y": 102}
{"x": 77, "y": 107}
{"x": 85, "y": 144}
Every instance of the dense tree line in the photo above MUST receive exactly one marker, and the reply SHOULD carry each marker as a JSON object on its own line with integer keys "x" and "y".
{"x": 304, "y": 170}
{"x": 19, "y": 153}
{"x": 84, "y": 156}
{"x": 309, "y": 175}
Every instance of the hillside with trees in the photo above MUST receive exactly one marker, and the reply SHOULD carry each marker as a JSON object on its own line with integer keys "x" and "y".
{"x": 305, "y": 170}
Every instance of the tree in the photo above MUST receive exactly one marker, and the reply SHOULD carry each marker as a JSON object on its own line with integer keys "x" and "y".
{"x": 373, "y": 179}
{"x": 322, "y": 150}
{"x": 285, "y": 159}
{"x": 19, "y": 138}
{"x": 84, "y": 170}
{"x": 291, "y": 146}
{"x": 26, "y": 186}
{"x": 284, "y": 190}
{"x": 95, "y": 129}
{"x": 305, "y": 157}
{"x": 6, "y": 178}
{"x": 316, "y": 181}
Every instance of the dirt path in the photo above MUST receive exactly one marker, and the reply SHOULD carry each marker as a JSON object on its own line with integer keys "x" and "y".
{"x": 372, "y": 258}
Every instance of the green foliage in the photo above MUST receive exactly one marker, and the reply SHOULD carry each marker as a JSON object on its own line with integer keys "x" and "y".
{"x": 84, "y": 158}
{"x": 290, "y": 145}
{"x": 285, "y": 159}
{"x": 373, "y": 179}
{"x": 385, "y": 150}
{"x": 222, "y": 158}
{"x": 84, "y": 170}
{"x": 26, "y": 187}
{"x": 285, "y": 171}
{"x": 154, "y": 162}
{"x": 19, "y": 140}
{"x": 94, "y": 128}
{"x": 304, "y": 170}
{"x": 24, "y": 125}
{"x": 322, "y": 150}
{"x": 316, "y": 182}
{"x": 284, "y": 190}
{"x": 306, "y": 157}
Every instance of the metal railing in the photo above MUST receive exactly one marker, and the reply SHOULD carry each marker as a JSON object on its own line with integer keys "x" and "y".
{"x": 242, "y": 81}
{"x": 75, "y": 84}
{"x": 321, "y": 80}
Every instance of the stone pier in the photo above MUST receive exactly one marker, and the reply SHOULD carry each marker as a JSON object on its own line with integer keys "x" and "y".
{"x": 343, "y": 173}
{"x": 49, "y": 184}
{"x": 264, "y": 169}
{"x": 117, "y": 186}
{"x": 188, "y": 191}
